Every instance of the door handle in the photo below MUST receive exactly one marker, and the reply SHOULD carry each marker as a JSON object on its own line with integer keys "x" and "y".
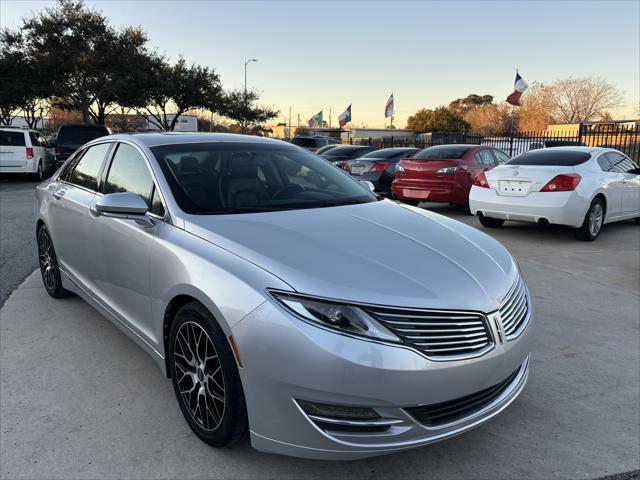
{"x": 58, "y": 194}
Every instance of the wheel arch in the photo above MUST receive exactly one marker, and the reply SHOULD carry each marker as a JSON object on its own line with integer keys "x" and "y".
{"x": 602, "y": 197}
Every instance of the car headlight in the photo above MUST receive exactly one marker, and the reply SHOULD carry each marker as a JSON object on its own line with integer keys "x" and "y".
{"x": 335, "y": 315}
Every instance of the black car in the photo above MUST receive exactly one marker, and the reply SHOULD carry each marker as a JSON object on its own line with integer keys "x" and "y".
{"x": 379, "y": 167}
{"x": 313, "y": 143}
{"x": 341, "y": 155}
{"x": 71, "y": 137}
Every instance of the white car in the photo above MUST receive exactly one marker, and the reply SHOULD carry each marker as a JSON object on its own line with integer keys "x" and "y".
{"x": 582, "y": 187}
{"x": 25, "y": 151}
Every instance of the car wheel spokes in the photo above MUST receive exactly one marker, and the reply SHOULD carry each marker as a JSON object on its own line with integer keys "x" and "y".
{"x": 199, "y": 375}
{"x": 595, "y": 219}
{"x": 47, "y": 260}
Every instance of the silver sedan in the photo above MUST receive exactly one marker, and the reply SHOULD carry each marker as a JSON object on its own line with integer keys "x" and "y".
{"x": 282, "y": 297}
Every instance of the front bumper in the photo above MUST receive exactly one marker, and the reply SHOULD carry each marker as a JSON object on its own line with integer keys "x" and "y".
{"x": 286, "y": 359}
{"x": 562, "y": 208}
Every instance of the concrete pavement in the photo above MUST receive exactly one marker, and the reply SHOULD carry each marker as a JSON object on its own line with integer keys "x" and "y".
{"x": 78, "y": 399}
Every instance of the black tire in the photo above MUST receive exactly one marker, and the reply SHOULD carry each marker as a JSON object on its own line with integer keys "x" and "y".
{"x": 593, "y": 222}
{"x": 490, "y": 222}
{"x": 38, "y": 176}
{"x": 224, "y": 422}
{"x": 637, "y": 220}
{"x": 415, "y": 203}
{"x": 48, "y": 262}
{"x": 466, "y": 208}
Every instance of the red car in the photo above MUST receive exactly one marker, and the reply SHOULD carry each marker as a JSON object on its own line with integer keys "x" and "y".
{"x": 443, "y": 173}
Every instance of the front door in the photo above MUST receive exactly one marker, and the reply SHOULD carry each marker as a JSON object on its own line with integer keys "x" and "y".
{"x": 125, "y": 244}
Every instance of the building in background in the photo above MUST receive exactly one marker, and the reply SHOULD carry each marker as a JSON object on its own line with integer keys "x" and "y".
{"x": 186, "y": 123}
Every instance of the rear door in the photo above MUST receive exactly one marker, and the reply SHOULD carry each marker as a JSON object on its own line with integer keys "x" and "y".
{"x": 13, "y": 148}
{"x": 71, "y": 222}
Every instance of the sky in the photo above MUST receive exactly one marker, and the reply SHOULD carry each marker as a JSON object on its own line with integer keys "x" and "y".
{"x": 316, "y": 56}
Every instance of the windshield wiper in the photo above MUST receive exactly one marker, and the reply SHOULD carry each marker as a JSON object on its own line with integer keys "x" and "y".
{"x": 231, "y": 210}
{"x": 339, "y": 203}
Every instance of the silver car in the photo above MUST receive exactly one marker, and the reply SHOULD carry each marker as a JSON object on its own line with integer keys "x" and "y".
{"x": 282, "y": 297}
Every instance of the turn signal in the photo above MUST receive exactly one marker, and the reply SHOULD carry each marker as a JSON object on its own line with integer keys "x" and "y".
{"x": 481, "y": 181}
{"x": 565, "y": 182}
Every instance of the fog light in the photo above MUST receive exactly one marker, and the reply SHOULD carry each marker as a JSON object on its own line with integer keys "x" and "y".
{"x": 337, "y": 411}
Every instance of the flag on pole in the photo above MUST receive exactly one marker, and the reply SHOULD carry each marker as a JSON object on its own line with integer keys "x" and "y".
{"x": 316, "y": 120}
{"x": 388, "y": 108}
{"x": 345, "y": 117}
{"x": 518, "y": 89}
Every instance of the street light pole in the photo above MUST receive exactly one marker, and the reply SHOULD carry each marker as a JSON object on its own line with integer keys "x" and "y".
{"x": 246, "y": 105}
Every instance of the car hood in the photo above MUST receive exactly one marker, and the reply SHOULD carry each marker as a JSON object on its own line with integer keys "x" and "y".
{"x": 380, "y": 253}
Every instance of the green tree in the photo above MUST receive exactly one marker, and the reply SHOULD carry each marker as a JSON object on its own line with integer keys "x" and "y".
{"x": 242, "y": 108}
{"x": 168, "y": 91}
{"x": 441, "y": 119}
{"x": 82, "y": 55}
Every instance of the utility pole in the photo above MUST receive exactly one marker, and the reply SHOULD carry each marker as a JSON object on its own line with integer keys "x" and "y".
{"x": 298, "y": 120}
{"x": 289, "y": 122}
{"x": 329, "y": 117}
{"x": 246, "y": 103}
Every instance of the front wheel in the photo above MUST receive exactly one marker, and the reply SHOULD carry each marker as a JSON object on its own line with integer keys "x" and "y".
{"x": 593, "y": 222}
{"x": 205, "y": 377}
{"x": 490, "y": 222}
{"x": 49, "y": 265}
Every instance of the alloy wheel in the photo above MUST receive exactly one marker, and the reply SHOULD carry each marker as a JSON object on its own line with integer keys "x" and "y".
{"x": 47, "y": 260}
{"x": 595, "y": 219}
{"x": 199, "y": 375}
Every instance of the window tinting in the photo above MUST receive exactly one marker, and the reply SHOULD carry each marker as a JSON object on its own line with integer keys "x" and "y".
{"x": 35, "y": 139}
{"x": 80, "y": 134}
{"x": 551, "y": 156}
{"x": 86, "y": 171}
{"x": 604, "y": 162}
{"x": 129, "y": 173}
{"x": 217, "y": 178}
{"x": 347, "y": 150}
{"x": 501, "y": 156}
{"x": 620, "y": 163}
{"x": 389, "y": 153}
{"x": 442, "y": 152}
{"x": 12, "y": 139}
{"x": 304, "y": 142}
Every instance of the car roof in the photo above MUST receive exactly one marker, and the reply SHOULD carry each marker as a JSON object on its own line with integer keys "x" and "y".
{"x": 578, "y": 149}
{"x": 171, "y": 138}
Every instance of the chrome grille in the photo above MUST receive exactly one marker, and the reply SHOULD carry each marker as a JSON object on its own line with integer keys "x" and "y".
{"x": 441, "y": 335}
{"x": 514, "y": 310}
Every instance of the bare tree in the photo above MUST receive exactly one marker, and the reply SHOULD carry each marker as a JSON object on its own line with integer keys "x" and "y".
{"x": 537, "y": 110}
{"x": 576, "y": 100}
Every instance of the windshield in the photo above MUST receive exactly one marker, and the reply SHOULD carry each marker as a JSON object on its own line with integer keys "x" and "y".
{"x": 218, "y": 178}
{"x": 445, "y": 152}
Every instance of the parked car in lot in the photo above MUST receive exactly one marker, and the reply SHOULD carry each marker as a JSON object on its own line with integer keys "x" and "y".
{"x": 582, "y": 187}
{"x": 218, "y": 254}
{"x": 314, "y": 143}
{"x": 342, "y": 154}
{"x": 326, "y": 148}
{"x": 70, "y": 137}
{"x": 379, "y": 166}
{"x": 25, "y": 151}
{"x": 443, "y": 173}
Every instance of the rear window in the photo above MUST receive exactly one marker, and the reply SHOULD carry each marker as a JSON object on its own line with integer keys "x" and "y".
{"x": 12, "y": 139}
{"x": 443, "y": 152}
{"x": 346, "y": 150}
{"x": 80, "y": 134}
{"x": 553, "y": 157}
{"x": 304, "y": 142}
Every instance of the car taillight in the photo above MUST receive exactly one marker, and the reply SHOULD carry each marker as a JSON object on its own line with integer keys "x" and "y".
{"x": 379, "y": 167}
{"x": 344, "y": 166}
{"x": 29, "y": 153}
{"x": 565, "y": 182}
{"x": 481, "y": 181}
{"x": 399, "y": 168}
{"x": 58, "y": 150}
{"x": 458, "y": 169}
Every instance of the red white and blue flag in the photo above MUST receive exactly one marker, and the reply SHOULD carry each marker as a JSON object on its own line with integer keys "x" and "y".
{"x": 316, "y": 120}
{"x": 345, "y": 117}
{"x": 388, "y": 108}
{"x": 518, "y": 89}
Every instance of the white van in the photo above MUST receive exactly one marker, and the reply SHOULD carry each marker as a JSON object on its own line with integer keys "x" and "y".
{"x": 25, "y": 151}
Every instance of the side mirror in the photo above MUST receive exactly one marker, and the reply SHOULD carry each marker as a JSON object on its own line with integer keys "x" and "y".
{"x": 368, "y": 185}
{"x": 121, "y": 205}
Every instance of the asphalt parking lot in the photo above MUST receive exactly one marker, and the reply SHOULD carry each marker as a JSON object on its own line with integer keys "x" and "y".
{"x": 78, "y": 399}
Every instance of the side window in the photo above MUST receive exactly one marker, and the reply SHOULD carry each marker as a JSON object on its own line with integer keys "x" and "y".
{"x": 35, "y": 140}
{"x": 501, "y": 156}
{"x": 620, "y": 163}
{"x": 484, "y": 156}
{"x": 156, "y": 204}
{"x": 85, "y": 173}
{"x": 604, "y": 162}
{"x": 129, "y": 173}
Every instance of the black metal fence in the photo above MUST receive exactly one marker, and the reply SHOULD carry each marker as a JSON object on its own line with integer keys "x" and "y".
{"x": 623, "y": 138}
